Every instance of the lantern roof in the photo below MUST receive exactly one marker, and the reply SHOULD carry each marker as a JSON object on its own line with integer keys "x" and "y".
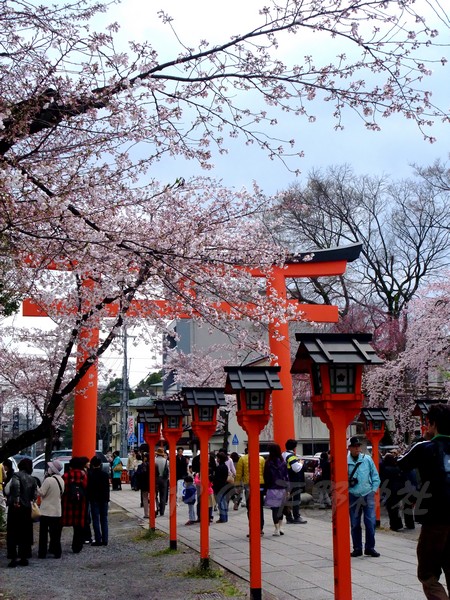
{"x": 374, "y": 414}
{"x": 334, "y": 349}
{"x": 171, "y": 408}
{"x": 148, "y": 416}
{"x": 252, "y": 378}
{"x": 204, "y": 396}
{"x": 423, "y": 406}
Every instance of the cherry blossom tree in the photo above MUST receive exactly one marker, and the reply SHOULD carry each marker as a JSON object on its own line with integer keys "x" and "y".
{"x": 193, "y": 265}
{"x": 404, "y": 229}
{"x": 421, "y": 370}
{"x": 89, "y": 230}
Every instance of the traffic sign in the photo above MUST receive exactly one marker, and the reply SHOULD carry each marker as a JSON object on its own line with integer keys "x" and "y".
{"x": 132, "y": 439}
{"x": 235, "y": 440}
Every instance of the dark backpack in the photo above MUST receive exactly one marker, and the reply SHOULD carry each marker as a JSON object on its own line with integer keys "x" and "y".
{"x": 76, "y": 492}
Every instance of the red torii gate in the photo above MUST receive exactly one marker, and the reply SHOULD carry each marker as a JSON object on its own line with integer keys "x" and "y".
{"x": 321, "y": 263}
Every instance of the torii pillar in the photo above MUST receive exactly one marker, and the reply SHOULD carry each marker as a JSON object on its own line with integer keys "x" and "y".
{"x": 323, "y": 263}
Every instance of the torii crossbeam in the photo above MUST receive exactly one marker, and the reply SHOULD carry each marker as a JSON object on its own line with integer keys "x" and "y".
{"x": 322, "y": 263}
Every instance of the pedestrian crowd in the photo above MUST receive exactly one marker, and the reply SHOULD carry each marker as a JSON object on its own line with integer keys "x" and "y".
{"x": 78, "y": 498}
{"x": 281, "y": 481}
{"x": 414, "y": 487}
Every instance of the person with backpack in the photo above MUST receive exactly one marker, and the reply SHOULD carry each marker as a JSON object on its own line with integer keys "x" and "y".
{"x": 296, "y": 483}
{"x": 50, "y": 523}
{"x": 432, "y": 460}
{"x": 394, "y": 486}
{"x": 162, "y": 480}
{"x": 74, "y": 501}
{"x": 20, "y": 493}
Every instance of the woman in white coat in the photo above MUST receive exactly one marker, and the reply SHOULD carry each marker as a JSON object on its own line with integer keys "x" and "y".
{"x": 50, "y": 522}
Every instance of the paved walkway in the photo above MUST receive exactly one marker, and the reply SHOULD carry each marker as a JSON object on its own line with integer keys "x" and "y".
{"x": 300, "y": 564}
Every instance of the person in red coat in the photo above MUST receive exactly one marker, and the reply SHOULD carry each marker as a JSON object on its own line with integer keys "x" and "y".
{"x": 74, "y": 501}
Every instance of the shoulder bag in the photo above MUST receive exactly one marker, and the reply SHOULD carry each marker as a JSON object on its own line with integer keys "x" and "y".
{"x": 59, "y": 485}
{"x": 352, "y": 480}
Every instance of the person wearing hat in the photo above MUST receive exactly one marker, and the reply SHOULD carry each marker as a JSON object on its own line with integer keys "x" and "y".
{"x": 363, "y": 482}
{"x": 50, "y": 523}
{"x": 162, "y": 479}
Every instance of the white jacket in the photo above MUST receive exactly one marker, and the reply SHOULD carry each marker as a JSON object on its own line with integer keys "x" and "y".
{"x": 50, "y": 494}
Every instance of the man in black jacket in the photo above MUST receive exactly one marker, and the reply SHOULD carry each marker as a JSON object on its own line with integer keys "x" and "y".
{"x": 181, "y": 464}
{"x": 98, "y": 496}
{"x": 432, "y": 460}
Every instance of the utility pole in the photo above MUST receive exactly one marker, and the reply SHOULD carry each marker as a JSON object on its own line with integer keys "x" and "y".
{"x": 225, "y": 414}
{"x": 124, "y": 399}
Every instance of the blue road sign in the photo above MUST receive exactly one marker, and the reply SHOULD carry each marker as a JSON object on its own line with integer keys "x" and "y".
{"x": 132, "y": 439}
{"x": 235, "y": 440}
{"x": 140, "y": 433}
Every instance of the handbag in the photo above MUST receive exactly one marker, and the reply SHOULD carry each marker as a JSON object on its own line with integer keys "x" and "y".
{"x": 35, "y": 512}
{"x": 317, "y": 474}
{"x": 118, "y": 468}
{"x": 230, "y": 478}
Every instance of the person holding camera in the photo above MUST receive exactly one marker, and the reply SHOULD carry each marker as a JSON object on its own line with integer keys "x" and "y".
{"x": 363, "y": 482}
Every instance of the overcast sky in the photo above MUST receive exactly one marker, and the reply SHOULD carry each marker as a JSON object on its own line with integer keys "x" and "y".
{"x": 390, "y": 151}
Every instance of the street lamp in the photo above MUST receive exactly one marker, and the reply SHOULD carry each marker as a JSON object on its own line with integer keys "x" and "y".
{"x": 172, "y": 414}
{"x": 203, "y": 403}
{"x": 253, "y": 387}
{"x": 335, "y": 363}
{"x": 152, "y": 435}
{"x": 374, "y": 420}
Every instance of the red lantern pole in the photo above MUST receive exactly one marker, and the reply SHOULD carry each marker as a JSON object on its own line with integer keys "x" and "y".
{"x": 151, "y": 439}
{"x": 203, "y": 402}
{"x": 172, "y": 436}
{"x": 338, "y": 421}
{"x": 335, "y": 363}
{"x": 253, "y": 386}
{"x": 204, "y": 431}
{"x": 253, "y": 422}
{"x": 338, "y": 413}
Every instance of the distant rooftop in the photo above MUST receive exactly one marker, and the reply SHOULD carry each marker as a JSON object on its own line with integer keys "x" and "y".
{"x": 140, "y": 402}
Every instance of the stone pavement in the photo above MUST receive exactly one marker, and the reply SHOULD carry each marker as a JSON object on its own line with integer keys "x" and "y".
{"x": 300, "y": 564}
